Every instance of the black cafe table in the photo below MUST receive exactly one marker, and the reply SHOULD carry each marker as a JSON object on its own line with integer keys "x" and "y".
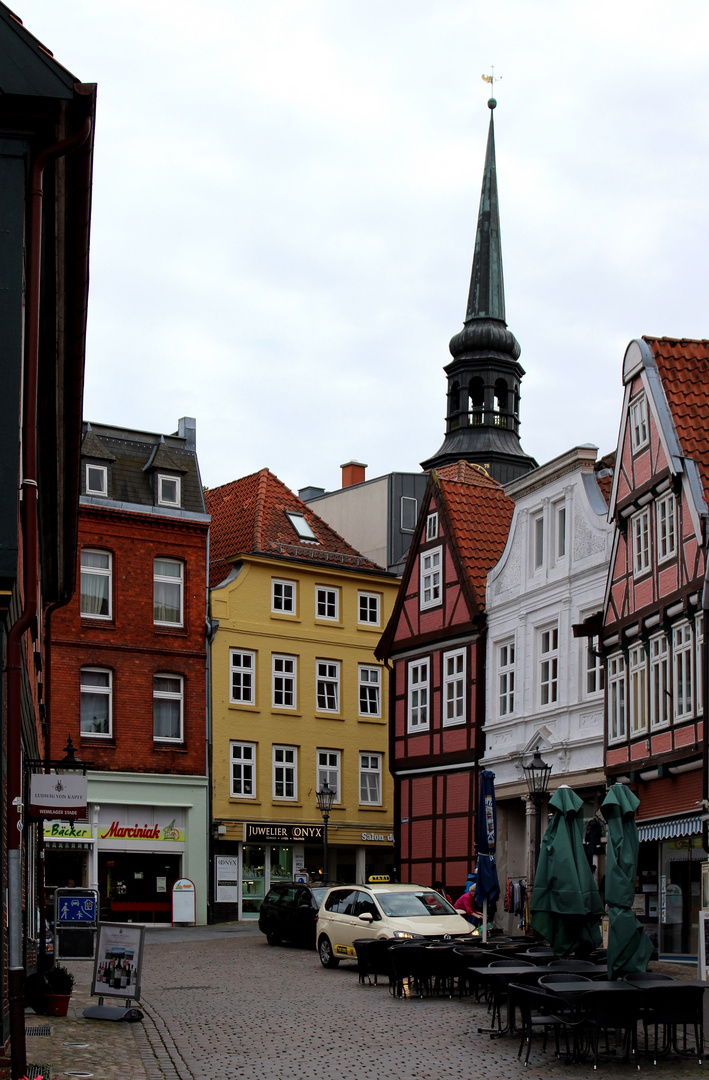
{"x": 499, "y": 978}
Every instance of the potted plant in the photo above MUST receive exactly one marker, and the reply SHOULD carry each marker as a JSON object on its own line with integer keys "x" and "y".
{"x": 60, "y": 983}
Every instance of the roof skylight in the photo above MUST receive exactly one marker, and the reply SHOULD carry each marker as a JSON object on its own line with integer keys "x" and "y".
{"x": 301, "y": 527}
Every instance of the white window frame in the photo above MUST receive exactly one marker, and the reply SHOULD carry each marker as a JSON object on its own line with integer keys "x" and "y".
{"x": 637, "y": 689}
{"x": 682, "y": 671}
{"x": 285, "y": 764}
{"x": 103, "y": 691}
{"x": 548, "y": 638}
{"x": 327, "y": 686}
{"x": 327, "y": 598}
{"x": 368, "y": 603}
{"x": 369, "y": 688}
{"x": 287, "y": 676}
{"x": 538, "y": 541}
{"x": 169, "y": 579}
{"x": 640, "y": 530}
{"x": 404, "y": 500}
{"x": 617, "y": 715}
{"x": 594, "y": 671}
{"x": 666, "y": 521}
{"x": 699, "y": 662}
{"x": 283, "y": 596}
{"x": 242, "y": 757}
{"x": 170, "y": 695}
{"x": 417, "y": 711}
{"x": 453, "y": 687}
{"x": 102, "y": 471}
{"x": 328, "y": 766}
{"x": 506, "y": 677}
{"x": 164, "y": 500}
{"x": 560, "y": 523}
{"x": 660, "y": 701}
{"x": 242, "y": 666}
{"x": 432, "y": 526}
{"x": 639, "y": 428}
{"x": 103, "y": 572}
{"x": 431, "y": 567}
{"x": 370, "y": 769}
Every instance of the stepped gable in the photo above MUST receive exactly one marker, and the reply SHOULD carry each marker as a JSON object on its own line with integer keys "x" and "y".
{"x": 683, "y": 365}
{"x": 480, "y": 515}
{"x": 249, "y": 518}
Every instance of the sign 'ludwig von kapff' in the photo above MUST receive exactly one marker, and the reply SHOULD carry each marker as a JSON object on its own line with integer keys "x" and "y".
{"x": 55, "y": 795}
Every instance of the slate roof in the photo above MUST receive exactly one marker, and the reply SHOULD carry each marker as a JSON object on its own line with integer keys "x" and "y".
{"x": 132, "y": 457}
{"x": 683, "y": 365}
{"x": 479, "y": 515}
{"x": 249, "y": 518}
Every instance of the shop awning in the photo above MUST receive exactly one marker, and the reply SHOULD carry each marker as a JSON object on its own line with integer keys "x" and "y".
{"x": 666, "y": 830}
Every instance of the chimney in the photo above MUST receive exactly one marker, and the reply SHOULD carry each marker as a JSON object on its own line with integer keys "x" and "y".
{"x": 187, "y": 430}
{"x": 352, "y": 473}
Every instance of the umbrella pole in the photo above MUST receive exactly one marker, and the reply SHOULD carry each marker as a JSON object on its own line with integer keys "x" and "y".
{"x": 485, "y": 921}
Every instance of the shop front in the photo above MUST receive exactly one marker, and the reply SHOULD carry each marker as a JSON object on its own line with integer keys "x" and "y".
{"x": 249, "y": 857}
{"x": 668, "y": 889}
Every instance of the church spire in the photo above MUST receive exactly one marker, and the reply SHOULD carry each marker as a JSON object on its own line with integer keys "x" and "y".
{"x": 482, "y": 415}
{"x": 486, "y": 298}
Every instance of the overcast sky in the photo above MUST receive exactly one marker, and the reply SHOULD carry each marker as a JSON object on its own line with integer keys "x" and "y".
{"x": 285, "y": 199}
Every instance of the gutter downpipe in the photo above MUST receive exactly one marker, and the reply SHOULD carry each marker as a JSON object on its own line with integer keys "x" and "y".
{"x": 28, "y": 615}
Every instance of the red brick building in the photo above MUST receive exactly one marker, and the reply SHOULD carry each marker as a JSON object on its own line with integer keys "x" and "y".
{"x": 436, "y": 642}
{"x": 129, "y": 661}
{"x": 653, "y": 625}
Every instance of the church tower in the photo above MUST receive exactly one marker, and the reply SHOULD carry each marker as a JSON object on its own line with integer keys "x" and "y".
{"x": 482, "y": 415}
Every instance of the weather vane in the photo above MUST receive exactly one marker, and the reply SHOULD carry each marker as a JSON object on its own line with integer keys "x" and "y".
{"x": 492, "y": 79}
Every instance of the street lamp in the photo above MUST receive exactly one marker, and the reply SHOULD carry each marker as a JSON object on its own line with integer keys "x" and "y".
{"x": 537, "y": 776}
{"x": 325, "y": 798}
{"x": 70, "y": 762}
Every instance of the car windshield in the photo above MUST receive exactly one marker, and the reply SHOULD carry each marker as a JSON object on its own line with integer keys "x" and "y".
{"x": 412, "y": 905}
{"x": 320, "y": 895}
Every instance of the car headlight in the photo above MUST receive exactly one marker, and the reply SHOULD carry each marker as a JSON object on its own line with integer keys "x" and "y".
{"x": 406, "y": 934}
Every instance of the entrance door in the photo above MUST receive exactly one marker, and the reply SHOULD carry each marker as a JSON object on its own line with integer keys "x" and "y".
{"x": 137, "y": 886}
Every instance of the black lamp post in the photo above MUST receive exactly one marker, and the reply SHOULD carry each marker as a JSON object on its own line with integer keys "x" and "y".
{"x": 537, "y": 776}
{"x": 325, "y": 797}
{"x": 70, "y": 762}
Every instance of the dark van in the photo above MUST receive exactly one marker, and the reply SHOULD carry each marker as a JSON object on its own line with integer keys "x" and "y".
{"x": 288, "y": 913}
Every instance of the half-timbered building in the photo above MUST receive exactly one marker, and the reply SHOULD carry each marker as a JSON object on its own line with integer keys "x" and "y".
{"x": 435, "y": 640}
{"x": 652, "y": 632}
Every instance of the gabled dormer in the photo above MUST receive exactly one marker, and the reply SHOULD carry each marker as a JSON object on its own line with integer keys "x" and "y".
{"x": 96, "y": 462}
{"x": 165, "y": 472}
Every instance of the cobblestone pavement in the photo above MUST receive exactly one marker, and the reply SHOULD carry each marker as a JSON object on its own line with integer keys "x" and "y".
{"x": 222, "y": 1004}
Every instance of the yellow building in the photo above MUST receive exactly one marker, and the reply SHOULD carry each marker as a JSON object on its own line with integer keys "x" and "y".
{"x": 298, "y": 698}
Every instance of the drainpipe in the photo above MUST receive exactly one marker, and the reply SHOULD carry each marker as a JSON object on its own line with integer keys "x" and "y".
{"x": 28, "y": 616}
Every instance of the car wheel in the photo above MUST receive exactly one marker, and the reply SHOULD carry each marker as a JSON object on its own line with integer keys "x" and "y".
{"x": 273, "y": 938}
{"x": 327, "y": 957}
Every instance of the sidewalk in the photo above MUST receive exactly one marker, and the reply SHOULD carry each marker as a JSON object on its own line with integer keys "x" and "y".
{"x": 71, "y": 1046}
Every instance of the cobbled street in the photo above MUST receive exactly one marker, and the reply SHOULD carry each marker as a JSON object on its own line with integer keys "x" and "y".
{"x": 221, "y": 1004}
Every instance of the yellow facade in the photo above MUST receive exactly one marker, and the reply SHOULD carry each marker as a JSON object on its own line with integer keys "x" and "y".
{"x": 327, "y": 648}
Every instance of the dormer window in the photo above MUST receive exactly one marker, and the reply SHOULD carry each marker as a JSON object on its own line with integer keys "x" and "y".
{"x": 97, "y": 480}
{"x": 169, "y": 490}
{"x": 301, "y": 527}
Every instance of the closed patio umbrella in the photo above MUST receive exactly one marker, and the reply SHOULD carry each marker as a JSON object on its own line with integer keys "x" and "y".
{"x": 629, "y": 947}
{"x": 488, "y": 886}
{"x": 566, "y": 906}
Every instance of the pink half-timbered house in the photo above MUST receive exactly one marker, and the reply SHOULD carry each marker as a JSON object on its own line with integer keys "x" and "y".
{"x": 652, "y": 635}
{"x": 435, "y": 640}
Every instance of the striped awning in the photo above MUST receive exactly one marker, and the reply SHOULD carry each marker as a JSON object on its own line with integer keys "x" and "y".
{"x": 667, "y": 830}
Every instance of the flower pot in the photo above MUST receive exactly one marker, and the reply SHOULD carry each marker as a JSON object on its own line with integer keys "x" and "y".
{"x": 57, "y": 1004}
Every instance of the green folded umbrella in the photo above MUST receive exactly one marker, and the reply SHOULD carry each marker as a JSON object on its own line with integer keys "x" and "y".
{"x": 629, "y": 947}
{"x": 566, "y": 906}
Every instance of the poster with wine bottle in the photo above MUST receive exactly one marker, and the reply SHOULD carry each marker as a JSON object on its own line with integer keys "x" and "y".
{"x": 118, "y": 962}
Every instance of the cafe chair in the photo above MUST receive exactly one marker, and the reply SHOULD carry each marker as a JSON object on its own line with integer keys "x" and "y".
{"x": 539, "y": 1011}
{"x": 372, "y": 959}
{"x": 668, "y": 1014}
{"x": 612, "y": 1013}
{"x": 411, "y": 971}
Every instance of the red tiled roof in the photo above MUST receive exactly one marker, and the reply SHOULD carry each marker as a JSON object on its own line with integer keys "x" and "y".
{"x": 249, "y": 517}
{"x": 605, "y": 467}
{"x": 683, "y": 365}
{"x": 480, "y": 515}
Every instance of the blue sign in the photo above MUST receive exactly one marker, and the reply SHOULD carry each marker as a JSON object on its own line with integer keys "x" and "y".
{"x": 76, "y": 909}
